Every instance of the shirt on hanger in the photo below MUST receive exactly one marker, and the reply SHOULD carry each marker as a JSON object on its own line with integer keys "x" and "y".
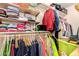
{"x": 48, "y": 47}
{"x": 48, "y": 19}
{"x": 12, "y": 48}
{"x": 2, "y": 45}
{"x": 54, "y": 49}
{"x": 56, "y": 21}
{"x": 43, "y": 47}
{"x": 7, "y": 48}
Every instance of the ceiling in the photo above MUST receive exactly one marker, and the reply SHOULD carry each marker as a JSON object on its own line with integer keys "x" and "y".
{"x": 44, "y": 6}
{"x": 65, "y": 5}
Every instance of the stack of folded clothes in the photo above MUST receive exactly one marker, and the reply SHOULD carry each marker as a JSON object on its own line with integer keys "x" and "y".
{"x": 12, "y": 28}
{"x": 26, "y": 17}
{"x": 22, "y": 17}
{"x": 12, "y": 12}
{"x": 3, "y": 27}
{"x": 3, "y": 13}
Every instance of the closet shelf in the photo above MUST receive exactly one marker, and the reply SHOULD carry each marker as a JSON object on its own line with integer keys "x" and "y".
{"x": 28, "y": 32}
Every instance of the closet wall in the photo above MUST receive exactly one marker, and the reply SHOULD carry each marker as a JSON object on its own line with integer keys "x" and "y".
{"x": 73, "y": 17}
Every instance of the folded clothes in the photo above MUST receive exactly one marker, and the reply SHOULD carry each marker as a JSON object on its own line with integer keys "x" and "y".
{"x": 3, "y": 13}
{"x": 21, "y": 26}
{"x": 23, "y": 18}
{"x": 12, "y": 28}
{"x": 3, "y": 25}
{"x": 12, "y": 13}
{"x": 13, "y": 18}
{"x": 13, "y": 8}
{"x": 30, "y": 17}
{"x": 2, "y": 30}
{"x": 12, "y": 25}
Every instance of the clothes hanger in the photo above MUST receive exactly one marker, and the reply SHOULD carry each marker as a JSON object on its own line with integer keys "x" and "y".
{"x": 26, "y": 39}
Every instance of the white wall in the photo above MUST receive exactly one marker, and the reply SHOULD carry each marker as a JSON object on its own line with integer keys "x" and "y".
{"x": 73, "y": 18}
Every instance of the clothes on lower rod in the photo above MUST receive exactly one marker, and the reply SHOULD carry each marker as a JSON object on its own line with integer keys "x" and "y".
{"x": 23, "y": 50}
{"x": 36, "y": 48}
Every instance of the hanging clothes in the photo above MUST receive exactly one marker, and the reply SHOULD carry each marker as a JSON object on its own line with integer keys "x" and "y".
{"x": 66, "y": 29}
{"x": 63, "y": 27}
{"x": 49, "y": 47}
{"x": 43, "y": 47}
{"x": 2, "y": 45}
{"x": 28, "y": 46}
{"x": 56, "y": 21}
{"x": 54, "y": 49}
{"x": 56, "y": 24}
{"x": 35, "y": 48}
{"x": 12, "y": 48}
{"x": 71, "y": 31}
{"x": 22, "y": 48}
{"x": 7, "y": 48}
{"x": 48, "y": 19}
{"x": 40, "y": 49}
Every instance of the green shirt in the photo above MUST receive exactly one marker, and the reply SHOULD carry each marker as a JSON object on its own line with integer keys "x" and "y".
{"x": 54, "y": 49}
{"x": 7, "y": 48}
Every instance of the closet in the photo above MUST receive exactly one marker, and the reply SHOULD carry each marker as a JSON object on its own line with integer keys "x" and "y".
{"x": 22, "y": 35}
{"x": 27, "y": 44}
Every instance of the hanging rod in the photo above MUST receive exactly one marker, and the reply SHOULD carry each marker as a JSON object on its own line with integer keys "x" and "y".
{"x": 28, "y": 32}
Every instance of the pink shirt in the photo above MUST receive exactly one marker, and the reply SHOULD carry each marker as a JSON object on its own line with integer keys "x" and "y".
{"x": 43, "y": 47}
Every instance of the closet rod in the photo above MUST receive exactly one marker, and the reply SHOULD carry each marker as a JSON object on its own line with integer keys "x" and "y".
{"x": 34, "y": 32}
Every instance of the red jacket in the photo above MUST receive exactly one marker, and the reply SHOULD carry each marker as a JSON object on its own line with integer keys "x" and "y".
{"x": 48, "y": 19}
